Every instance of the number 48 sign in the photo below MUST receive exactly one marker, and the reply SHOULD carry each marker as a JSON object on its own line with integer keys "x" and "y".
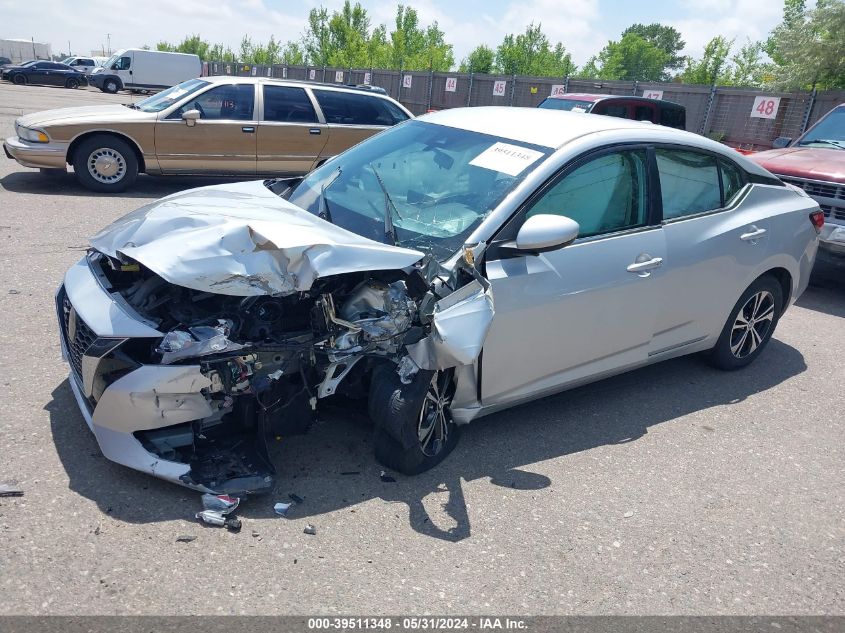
{"x": 765, "y": 107}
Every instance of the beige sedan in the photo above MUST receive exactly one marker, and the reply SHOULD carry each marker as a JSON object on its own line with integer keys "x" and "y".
{"x": 228, "y": 126}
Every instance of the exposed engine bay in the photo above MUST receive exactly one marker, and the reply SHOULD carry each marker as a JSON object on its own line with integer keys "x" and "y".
{"x": 269, "y": 359}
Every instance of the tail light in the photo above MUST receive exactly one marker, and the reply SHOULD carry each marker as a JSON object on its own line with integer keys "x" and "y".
{"x": 817, "y": 218}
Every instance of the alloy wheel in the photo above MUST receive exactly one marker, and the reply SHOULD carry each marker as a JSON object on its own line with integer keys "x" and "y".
{"x": 752, "y": 324}
{"x": 106, "y": 165}
{"x": 435, "y": 417}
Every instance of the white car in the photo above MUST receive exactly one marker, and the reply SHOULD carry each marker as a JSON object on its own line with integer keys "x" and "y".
{"x": 447, "y": 268}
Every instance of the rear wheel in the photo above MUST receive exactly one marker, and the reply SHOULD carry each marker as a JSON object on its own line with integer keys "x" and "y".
{"x": 750, "y": 326}
{"x": 414, "y": 428}
{"x": 19, "y": 80}
{"x": 72, "y": 83}
{"x": 105, "y": 163}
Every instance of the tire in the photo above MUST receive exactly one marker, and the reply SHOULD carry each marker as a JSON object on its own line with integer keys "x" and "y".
{"x": 400, "y": 413}
{"x": 750, "y": 326}
{"x": 111, "y": 86}
{"x": 71, "y": 83}
{"x": 19, "y": 80}
{"x": 105, "y": 163}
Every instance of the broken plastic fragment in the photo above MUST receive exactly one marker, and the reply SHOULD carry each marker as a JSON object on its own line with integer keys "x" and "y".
{"x": 388, "y": 479}
{"x": 459, "y": 326}
{"x": 224, "y": 504}
{"x": 310, "y": 529}
{"x": 282, "y": 509}
{"x": 407, "y": 369}
{"x": 197, "y": 341}
{"x": 185, "y": 538}
{"x": 8, "y": 490}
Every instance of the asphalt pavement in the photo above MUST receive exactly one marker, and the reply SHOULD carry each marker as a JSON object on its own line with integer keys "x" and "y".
{"x": 675, "y": 489}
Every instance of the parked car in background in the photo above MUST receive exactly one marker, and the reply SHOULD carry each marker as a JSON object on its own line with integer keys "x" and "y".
{"x": 200, "y": 325}
{"x": 138, "y": 69}
{"x": 815, "y": 162}
{"x": 636, "y": 108}
{"x": 84, "y": 64}
{"x": 234, "y": 126}
{"x": 45, "y": 73}
{"x": 4, "y": 61}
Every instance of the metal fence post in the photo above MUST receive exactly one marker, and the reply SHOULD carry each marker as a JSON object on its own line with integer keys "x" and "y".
{"x": 430, "y": 87}
{"x": 636, "y": 87}
{"x": 566, "y": 84}
{"x": 513, "y": 88}
{"x": 469, "y": 92}
{"x": 324, "y": 73}
{"x": 808, "y": 111}
{"x": 705, "y": 121}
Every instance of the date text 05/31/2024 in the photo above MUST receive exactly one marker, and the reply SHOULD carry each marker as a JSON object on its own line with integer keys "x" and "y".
{"x": 426, "y": 623}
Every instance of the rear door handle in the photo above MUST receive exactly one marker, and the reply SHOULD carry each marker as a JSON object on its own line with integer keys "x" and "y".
{"x": 314, "y": 130}
{"x": 248, "y": 129}
{"x": 642, "y": 268}
{"x": 753, "y": 235}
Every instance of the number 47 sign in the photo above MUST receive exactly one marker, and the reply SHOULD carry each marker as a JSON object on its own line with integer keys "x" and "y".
{"x": 765, "y": 107}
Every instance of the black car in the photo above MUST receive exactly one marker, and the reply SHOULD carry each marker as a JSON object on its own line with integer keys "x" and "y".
{"x": 44, "y": 73}
{"x": 4, "y": 60}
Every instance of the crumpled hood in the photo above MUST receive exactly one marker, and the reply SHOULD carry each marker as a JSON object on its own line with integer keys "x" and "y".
{"x": 111, "y": 113}
{"x": 242, "y": 239}
{"x": 815, "y": 163}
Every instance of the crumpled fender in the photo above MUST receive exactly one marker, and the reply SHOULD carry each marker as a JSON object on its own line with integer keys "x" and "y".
{"x": 242, "y": 239}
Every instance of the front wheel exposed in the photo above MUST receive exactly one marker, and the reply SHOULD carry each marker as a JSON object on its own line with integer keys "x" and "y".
{"x": 105, "y": 163}
{"x": 19, "y": 80}
{"x": 750, "y": 327}
{"x": 414, "y": 428}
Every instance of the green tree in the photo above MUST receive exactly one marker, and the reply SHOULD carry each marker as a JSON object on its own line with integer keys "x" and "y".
{"x": 747, "y": 67}
{"x": 531, "y": 53}
{"x": 632, "y": 58}
{"x": 712, "y": 66}
{"x": 293, "y": 54}
{"x": 480, "y": 60}
{"x": 666, "y": 38}
{"x": 317, "y": 38}
{"x": 793, "y": 16}
{"x": 349, "y": 31}
{"x": 812, "y": 48}
{"x": 378, "y": 48}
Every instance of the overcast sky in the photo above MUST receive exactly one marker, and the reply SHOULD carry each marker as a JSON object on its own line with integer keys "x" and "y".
{"x": 584, "y": 26}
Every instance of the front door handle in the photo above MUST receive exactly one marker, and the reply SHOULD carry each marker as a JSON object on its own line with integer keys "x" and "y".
{"x": 314, "y": 130}
{"x": 753, "y": 235}
{"x": 644, "y": 264}
{"x": 248, "y": 129}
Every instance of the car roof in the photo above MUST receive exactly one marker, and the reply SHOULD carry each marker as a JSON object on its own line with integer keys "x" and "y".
{"x": 227, "y": 79}
{"x": 593, "y": 98}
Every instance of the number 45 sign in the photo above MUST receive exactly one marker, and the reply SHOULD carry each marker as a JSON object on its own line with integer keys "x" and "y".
{"x": 765, "y": 107}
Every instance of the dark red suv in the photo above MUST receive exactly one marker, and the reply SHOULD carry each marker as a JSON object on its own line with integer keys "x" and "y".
{"x": 636, "y": 108}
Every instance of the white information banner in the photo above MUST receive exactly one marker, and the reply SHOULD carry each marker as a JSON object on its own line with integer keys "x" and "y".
{"x": 338, "y": 76}
{"x": 367, "y": 78}
{"x": 765, "y": 107}
{"x": 558, "y": 91}
{"x": 451, "y": 84}
{"x": 406, "y": 81}
{"x": 506, "y": 158}
{"x": 653, "y": 94}
{"x": 499, "y": 88}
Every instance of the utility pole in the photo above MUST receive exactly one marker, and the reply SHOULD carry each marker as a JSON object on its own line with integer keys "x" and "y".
{"x": 108, "y": 37}
{"x": 34, "y": 56}
{"x": 69, "y": 52}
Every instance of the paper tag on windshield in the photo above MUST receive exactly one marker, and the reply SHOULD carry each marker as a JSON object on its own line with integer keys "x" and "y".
{"x": 506, "y": 158}
{"x": 579, "y": 109}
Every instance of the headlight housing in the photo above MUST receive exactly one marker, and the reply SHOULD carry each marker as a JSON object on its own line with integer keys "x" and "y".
{"x": 33, "y": 136}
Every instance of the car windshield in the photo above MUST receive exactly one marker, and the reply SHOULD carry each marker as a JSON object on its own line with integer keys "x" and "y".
{"x": 418, "y": 185}
{"x": 166, "y": 98}
{"x": 830, "y": 132}
{"x": 111, "y": 60}
{"x": 572, "y": 105}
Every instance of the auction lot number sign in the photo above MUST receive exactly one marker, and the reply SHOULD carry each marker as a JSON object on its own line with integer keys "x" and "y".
{"x": 765, "y": 107}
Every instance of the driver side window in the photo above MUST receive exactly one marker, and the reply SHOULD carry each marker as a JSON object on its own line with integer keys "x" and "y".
{"x": 233, "y": 102}
{"x": 124, "y": 63}
{"x": 604, "y": 195}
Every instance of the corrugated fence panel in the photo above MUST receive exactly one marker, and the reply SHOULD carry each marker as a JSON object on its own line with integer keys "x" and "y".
{"x": 529, "y": 92}
{"x": 735, "y": 121}
{"x": 449, "y": 90}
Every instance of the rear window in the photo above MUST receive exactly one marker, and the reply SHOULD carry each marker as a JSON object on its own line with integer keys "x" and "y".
{"x": 571, "y": 105}
{"x": 286, "y": 104}
{"x": 347, "y": 108}
{"x": 673, "y": 117}
{"x": 619, "y": 110}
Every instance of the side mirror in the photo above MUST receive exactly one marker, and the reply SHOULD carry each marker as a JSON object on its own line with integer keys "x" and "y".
{"x": 780, "y": 142}
{"x": 545, "y": 232}
{"x": 191, "y": 117}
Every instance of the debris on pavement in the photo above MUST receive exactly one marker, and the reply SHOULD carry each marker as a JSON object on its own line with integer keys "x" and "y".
{"x": 282, "y": 509}
{"x": 185, "y": 538}
{"x": 296, "y": 498}
{"x": 224, "y": 504}
{"x": 14, "y": 292}
{"x": 213, "y": 517}
{"x": 388, "y": 479}
{"x": 310, "y": 529}
{"x": 628, "y": 514}
{"x": 8, "y": 490}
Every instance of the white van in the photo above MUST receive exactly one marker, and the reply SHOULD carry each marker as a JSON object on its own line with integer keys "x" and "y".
{"x": 137, "y": 69}
{"x": 84, "y": 64}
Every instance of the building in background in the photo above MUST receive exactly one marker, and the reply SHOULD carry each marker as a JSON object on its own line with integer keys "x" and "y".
{"x": 22, "y": 50}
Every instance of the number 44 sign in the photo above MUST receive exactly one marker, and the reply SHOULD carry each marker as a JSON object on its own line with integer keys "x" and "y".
{"x": 765, "y": 107}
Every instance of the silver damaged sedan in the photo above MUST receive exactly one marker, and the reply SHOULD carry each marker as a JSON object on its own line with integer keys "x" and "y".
{"x": 450, "y": 267}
